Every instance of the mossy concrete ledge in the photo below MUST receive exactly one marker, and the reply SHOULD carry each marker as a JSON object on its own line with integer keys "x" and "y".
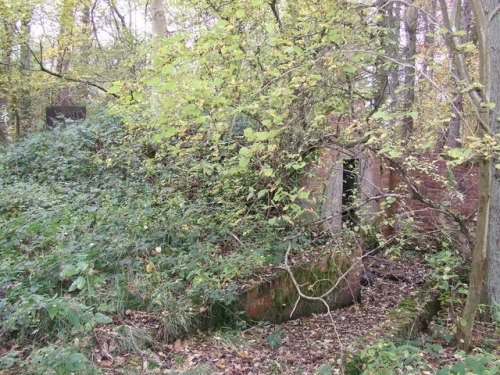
{"x": 274, "y": 300}
{"x": 405, "y": 322}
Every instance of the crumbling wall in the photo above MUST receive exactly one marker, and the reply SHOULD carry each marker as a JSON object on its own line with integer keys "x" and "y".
{"x": 454, "y": 187}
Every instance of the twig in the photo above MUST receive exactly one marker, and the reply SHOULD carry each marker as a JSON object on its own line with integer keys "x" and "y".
{"x": 343, "y": 212}
{"x": 39, "y": 62}
{"x": 236, "y": 238}
{"x": 273, "y": 5}
{"x": 493, "y": 13}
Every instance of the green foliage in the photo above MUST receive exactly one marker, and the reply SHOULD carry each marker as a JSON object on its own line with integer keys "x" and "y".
{"x": 243, "y": 106}
{"x": 480, "y": 363}
{"x": 93, "y": 224}
{"x": 324, "y": 370}
{"x": 411, "y": 358}
{"x": 275, "y": 339}
{"x": 389, "y": 358}
{"x": 61, "y": 361}
{"x": 445, "y": 266}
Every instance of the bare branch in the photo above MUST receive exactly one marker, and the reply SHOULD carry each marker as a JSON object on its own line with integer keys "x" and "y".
{"x": 493, "y": 13}
{"x": 39, "y": 61}
{"x": 274, "y": 7}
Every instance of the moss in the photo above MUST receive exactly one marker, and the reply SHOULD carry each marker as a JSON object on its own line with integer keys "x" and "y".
{"x": 412, "y": 316}
{"x": 279, "y": 298}
{"x": 408, "y": 304}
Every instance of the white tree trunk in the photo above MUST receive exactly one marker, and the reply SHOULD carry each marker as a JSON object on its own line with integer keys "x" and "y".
{"x": 158, "y": 18}
{"x": 493, "y": 269}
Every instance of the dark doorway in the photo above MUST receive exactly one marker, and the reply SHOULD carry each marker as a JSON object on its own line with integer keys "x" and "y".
{"x": 350, "y": 168}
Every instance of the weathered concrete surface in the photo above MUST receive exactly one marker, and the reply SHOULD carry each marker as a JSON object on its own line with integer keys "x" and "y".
{"x": 405, "y": 322}
{"x": 274, "y": 300}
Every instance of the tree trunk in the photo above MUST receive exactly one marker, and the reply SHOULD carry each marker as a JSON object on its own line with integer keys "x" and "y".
{"x": 394, "y": 17}
{"x": 4, "y": 134}
{"x": 381, "y": 73}
{"x": 7, "y": 93}
{"x": 429, "y": 40}
{"x": 451, "y": 134}
{"x": 479, "y": 265}
{"x": 410, "y": 24}
{"x": 158, "y": 18}
{"x": 25, "y": 55}
{"x": 493, "y": 269}
{"x": 66, "y": 23}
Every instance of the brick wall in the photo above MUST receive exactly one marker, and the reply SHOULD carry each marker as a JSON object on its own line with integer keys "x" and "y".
{"x": 456, "y": 187}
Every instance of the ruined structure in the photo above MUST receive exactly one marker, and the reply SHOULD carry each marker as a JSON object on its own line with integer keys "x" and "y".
{"x": 58, "y": 114}
{"x": 340, "y": 175}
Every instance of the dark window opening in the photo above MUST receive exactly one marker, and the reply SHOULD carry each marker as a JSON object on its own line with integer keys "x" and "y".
{"x": 349, "y": 190}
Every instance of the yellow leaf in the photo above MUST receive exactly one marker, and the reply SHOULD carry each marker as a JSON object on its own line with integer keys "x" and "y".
{"x": 150, "y": 267}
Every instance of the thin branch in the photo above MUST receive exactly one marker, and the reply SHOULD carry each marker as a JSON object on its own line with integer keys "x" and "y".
{"x": 458, "y": 57}
{"x": 493, "y": 13}
{"x": 343, "y": 212}
{"x": 416, "y": 194}
{"x": 274, "y": 7}
{"x": 472, "y": 94}
{"x": 317, "y": 299}
{"x": 39, "y": 61}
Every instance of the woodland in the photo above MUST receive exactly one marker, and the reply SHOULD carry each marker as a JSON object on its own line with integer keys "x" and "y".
{"x": 191, "y": 220}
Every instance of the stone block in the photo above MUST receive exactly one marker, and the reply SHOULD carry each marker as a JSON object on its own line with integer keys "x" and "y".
{"x": 58, "y": 114}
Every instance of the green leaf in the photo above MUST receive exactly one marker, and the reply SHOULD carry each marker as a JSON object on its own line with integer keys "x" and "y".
{"x": 262, "y": 192}
{"x": 245, "y": 152}
{"x": 275, "y": 339}
{"x": 102, "y": 319}
{"x": 167, "y": 69}
{"x": 165, "y": 86}
{"x": 489, "y": 105}
{"x": 79, "y": 284}
{"x": 460, "y": 153}
{"x": 221, "y": 23}
{"x": 394, "y": 153}
{"x": 115, "y": 88}
{"x": 268, "y": 172}
{"x": 53, "y": 309}
{"x": 76, "y": 362}
{"x": 382, "y": 115}
{"x": 333, "y": 35}
{"x": 167, "y": 132}
{"x": 153, "y": 81}
{"x": 350, "y": 70}
{"x": 325, "y": 369}
{"x": 240, "y": 13}
{"x": 244, "y": 162}
{"x": 69, "y": 271}
{"x": 138, "y": 95}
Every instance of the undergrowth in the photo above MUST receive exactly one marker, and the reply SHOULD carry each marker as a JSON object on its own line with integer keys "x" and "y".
{"x": 94, "y": 224}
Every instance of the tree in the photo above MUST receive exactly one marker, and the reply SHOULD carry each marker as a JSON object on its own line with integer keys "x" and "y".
{"x": 484, "y": 100}
{"x": 450, "y": 135}
{"x": 158, "y": 18}
{"x": 410, "y": 25}
{"x": 493, "y": 255}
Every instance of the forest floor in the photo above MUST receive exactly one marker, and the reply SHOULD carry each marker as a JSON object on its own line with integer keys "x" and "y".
{"x": 308, "y": 345}
{"x": 302, "y": 346}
